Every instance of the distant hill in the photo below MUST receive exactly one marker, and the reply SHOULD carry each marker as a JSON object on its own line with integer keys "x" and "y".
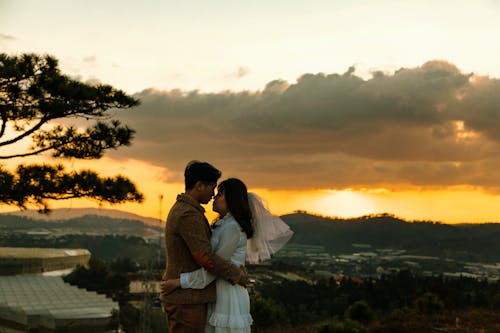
{"x": 63, "y": 214}
{"x": 474, "y": 242}
{"x": 82, "y": 221}
{"x": 467, "y": 242}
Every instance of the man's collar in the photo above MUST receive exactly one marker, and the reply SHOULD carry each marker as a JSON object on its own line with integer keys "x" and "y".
{"x": 184, "y": 197}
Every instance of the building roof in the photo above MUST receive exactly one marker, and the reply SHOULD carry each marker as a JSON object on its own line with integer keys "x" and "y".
{"x": 33, "y": 301}
{"x": 40, "y": 253}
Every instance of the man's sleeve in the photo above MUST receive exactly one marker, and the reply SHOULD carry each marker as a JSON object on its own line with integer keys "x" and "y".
{"x": 194, "y": 232}
{"x": 200, "y": 278}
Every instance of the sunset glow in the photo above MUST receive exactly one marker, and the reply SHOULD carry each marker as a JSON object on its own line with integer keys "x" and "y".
{"x": 336, "y": 108}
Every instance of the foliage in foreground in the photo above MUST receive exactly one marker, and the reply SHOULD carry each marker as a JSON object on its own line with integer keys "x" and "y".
{"x": 376, "y": 304}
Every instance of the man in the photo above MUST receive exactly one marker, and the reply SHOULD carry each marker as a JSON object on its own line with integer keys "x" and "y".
{"x": 187, "y": 244}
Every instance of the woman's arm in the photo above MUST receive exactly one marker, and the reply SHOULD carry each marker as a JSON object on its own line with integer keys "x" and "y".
{"x": 200, "y": 278}
{"x": 195, "y": 233}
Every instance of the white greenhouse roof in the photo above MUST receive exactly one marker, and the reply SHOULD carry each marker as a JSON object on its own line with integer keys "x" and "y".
{"x": 33, "y": 301}
{"x": 40, "y": 253}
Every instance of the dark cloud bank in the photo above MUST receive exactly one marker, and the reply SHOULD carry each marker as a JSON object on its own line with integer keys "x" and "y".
{"x": 425, "y": 126}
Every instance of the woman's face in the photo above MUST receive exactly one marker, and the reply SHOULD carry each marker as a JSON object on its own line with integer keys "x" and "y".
{"x": 219, "y": 204}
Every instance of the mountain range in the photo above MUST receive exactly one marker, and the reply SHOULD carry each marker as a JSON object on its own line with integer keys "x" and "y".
{"x": 90, "y": 221}
{"x": 468, "y": 242}
{"x": 63, "y": 214}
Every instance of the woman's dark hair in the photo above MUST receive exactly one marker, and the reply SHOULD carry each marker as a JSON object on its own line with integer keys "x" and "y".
{"x": 236, "y": 195}
{"x": 200, "y": 171}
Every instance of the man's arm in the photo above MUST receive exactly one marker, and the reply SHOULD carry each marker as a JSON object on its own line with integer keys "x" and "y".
{"x": 193, "y": 230}
{"x": 201, "y": 278}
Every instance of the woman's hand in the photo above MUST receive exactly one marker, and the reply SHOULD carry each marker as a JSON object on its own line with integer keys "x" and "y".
{"x": 169, "y": 286}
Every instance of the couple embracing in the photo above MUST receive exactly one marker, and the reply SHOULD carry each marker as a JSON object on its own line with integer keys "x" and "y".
{"x": 203, "y": 289}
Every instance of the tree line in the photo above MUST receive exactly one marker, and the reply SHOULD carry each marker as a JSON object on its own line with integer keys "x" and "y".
{"x": 373, "y": 304}
{"x": 399, "y": 302}
{"x": 105, "y": 247}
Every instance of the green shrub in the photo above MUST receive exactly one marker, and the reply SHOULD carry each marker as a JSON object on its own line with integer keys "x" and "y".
{"x": 267, "y": 313}
{"x": 348, "y": 326}
{"x": 361, "y": 312}
{"x": 428, "y": 303}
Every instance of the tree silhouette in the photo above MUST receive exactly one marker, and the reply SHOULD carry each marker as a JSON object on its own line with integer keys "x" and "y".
{"x": 37, "y": 105}
{"x": 100, "y": 278}
{"x": 361, "y": 312}
{"x": 428, "y": 303}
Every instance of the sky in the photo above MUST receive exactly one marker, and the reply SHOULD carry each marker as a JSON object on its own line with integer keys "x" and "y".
{"x": 340, "y": 108}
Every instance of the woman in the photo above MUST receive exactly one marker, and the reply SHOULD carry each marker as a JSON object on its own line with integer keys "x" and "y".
{"x": 240, "y": 215}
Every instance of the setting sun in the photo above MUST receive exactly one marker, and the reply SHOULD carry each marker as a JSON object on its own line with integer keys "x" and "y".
{"x": 345, "y": 204}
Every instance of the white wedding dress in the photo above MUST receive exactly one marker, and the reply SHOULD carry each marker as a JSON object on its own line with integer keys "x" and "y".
{"x": 231, "y": 311}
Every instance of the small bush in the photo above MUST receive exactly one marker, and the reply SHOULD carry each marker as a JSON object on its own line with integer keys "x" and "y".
{"x": 266, "y": 312}
{"x": 428, "y": 303}
{"x": 361, "y": 312}
{"x": 348, "y": 326}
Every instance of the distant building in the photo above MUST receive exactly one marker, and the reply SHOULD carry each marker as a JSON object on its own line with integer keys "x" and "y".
{"x": 39, "y": 233}
{"x": 361, "y": 246}
{"x": 366, "y": 254}
{"x": 19, "y": 260}
{"x": 140, "y": 287}
{"x": 31, "y": 301}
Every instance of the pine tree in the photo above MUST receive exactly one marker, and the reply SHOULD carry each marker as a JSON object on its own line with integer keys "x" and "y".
{"x": 62, "y": 117}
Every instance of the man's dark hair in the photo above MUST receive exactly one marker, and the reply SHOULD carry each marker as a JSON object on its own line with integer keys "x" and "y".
{"x": 200, "y": 171}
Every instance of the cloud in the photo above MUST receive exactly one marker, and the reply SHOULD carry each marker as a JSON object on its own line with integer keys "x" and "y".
{"x": 93, "y": 81}
{"x": 425, "y": 126}
{"x": 242, "y": 71}
{"x": 4, "y": 37}
{"x": 89, "y": 59}
{"x": 239, "y": 73}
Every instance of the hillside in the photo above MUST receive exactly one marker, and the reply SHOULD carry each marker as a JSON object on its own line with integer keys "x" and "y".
{"x": 474, "y": 242}
{"x": 466, "y": 242}
{"x": 85, "y": 224}
{"x": 63, "y": 214}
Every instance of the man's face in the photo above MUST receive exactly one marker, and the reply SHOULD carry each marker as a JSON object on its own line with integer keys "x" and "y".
{"x": 207, "y": 192}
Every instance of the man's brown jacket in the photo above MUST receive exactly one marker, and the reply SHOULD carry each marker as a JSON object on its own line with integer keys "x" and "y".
{"x": 187, "y": 245}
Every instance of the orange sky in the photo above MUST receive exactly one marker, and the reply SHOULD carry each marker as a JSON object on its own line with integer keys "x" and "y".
{"x": 335, "y": 107}
{"x": 451, "y": 205}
